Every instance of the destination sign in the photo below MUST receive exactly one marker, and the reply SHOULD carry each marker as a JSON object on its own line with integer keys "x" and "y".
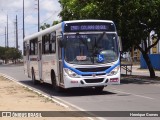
{"x": 89, "y": 26}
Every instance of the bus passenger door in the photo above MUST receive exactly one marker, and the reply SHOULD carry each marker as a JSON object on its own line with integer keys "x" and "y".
{"x": 60, "y": 63}
{"x": 40, "y": 60}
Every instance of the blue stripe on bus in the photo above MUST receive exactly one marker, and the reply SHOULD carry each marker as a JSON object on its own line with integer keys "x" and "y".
{"x": 90, "y": 73}
{"x": 63, "y": 24}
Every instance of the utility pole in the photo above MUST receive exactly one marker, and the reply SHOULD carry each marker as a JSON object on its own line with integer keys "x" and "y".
{"x": 38, "y": 18}
{"x": 16, "y": 33}
{"x": 23, "y": 21}
{"x": 5, "y": 38}
{"x": 7, "y": 32}
{"x": 37, "y": 7}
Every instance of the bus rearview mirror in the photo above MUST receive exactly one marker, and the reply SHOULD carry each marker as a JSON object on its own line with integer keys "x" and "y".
{"x": 62, "y": 43}
{"x": 120, "y": 44}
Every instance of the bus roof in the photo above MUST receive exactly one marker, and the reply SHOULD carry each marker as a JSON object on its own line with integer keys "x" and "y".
{"x": 72, "y": 21}
{"x": 43, "y": 32}
{"x": 59, "y": 26}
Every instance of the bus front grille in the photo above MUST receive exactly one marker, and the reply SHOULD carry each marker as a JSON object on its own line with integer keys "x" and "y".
{"x": 97, "y": 69}
{"x": 98, "y": 80}
{"x": 92, "y": 74}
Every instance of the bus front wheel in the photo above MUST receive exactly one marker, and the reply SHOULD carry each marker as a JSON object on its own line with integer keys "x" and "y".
{"x": 54, "y": 82}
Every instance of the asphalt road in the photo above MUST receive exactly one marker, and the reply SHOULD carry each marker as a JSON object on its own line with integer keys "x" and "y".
{"x": 129, "y": 96}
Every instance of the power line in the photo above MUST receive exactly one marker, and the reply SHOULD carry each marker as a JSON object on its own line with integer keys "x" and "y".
{"x": 19, "y": 24}
{"x": 9, "y": 33}
{"x": 48, "y": 18}
{"x": 31, "y": 24}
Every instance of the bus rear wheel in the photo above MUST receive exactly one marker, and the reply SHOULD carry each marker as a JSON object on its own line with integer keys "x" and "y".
{"x": 54, "y": 82}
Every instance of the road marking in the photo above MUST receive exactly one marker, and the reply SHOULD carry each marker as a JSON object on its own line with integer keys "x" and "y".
{"x": 78, "y": 108}
{"x": 133, "y": 94}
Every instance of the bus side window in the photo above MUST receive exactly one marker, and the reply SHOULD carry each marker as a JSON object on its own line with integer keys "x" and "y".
{"x": 33, "y": 46}
{"x": 45, "y": 44}
{"x": 53, "y": 42}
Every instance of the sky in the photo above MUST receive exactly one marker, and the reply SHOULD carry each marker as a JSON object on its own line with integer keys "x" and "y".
{"x": 49, "y": 10}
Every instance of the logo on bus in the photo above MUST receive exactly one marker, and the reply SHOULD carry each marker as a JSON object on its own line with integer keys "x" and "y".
{"x": 100, "y": 58}
{"x": 93, "y": 75}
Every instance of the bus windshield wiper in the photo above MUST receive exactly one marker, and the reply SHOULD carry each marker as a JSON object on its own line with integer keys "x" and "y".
{"x": 95, "y": 47}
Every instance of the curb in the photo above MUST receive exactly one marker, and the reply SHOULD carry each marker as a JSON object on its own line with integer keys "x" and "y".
{"x": 57, "y": 100}
{"x": 36, "y": 91}
{"x": 143, "y": 80}
{"x": 154, "y": 81}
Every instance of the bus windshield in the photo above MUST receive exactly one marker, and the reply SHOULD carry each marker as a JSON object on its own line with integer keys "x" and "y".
{"x": 84, "y": 49}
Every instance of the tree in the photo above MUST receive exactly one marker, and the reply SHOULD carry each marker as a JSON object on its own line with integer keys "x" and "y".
{"x": 44, "y": 26}
{"x": 2, "y": 53}
{"x": 10, "y": 54}
{"x": 90, "y": 9}
{"x": 13, "y": 54}
{"x": 55, "y": 22}
{"x": 134, "y": 19}
{"x": 139, "y": 18}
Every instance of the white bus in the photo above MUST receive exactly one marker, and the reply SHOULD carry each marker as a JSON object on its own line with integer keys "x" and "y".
{"x": 80, "y": 53}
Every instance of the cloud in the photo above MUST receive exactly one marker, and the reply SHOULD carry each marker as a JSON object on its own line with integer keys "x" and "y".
{"x": 52, "y": 9}
{"x": 3, "y": 20}
{"x": 14, "y": 4}
{"x": 49, "y": 10}
{"x": 50, "y": 5}
{"x": 3, "y": 23}
{"x": 30, "y": 19}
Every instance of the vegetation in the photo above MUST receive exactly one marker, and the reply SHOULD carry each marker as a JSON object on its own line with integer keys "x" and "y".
{"x": 45, "y": 25}
{"x": 12, "y": 54}
{"x": 135, "y": 19}
{"x": 140, "y": 18}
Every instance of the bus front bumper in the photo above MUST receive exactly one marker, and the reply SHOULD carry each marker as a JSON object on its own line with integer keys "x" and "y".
{"x": 91, "y": 81}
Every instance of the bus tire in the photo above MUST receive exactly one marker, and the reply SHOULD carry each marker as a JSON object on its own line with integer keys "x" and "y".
{"x": 34, "y": 81}
{"x": 99, "y": 89}
{"x": 54, "y": 82}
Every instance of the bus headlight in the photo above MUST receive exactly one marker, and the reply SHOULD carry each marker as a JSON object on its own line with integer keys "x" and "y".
{"x": 114, "y": 71}
{"x": 70, "y": 73}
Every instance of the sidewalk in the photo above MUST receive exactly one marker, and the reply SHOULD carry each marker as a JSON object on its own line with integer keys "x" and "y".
{"x": 15, "y": 97}
{"x": 140, "y": 75}
{"x": 136, "y": 70}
